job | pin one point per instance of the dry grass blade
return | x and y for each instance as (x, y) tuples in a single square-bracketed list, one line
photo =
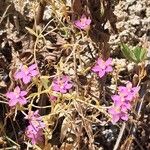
[(4, 14)]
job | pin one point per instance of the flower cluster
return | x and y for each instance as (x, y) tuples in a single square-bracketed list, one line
[(26, 73), (102, 67), (122, 102), (62, 84), (83, 22), (16, 97), (34, 130)]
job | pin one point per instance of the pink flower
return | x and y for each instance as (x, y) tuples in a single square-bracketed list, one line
[(128, 91), (117, 114), (120, 109), (102, 67), (122, 102), (26, 73), (34, 130), (83, 22), (16, 97), (34, 117), (34, 133), (62, 84)]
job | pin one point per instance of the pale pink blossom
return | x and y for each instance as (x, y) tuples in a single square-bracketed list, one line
[(128, 91), (62, 84), (117, 114), (102, 67), (34, 130), (16, 97), (34, 133), (83, 23), (26, 73), (122, 102)]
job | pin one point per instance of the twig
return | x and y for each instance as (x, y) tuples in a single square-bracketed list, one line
[(39, 16), (3, 16), (12, 141), (120, 136)]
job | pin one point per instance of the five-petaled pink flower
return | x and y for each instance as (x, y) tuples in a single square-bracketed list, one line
[(26, 73), (128, 91), (62, 84), (16, 97), (122, 102), (102, 67), (83, 22), (34, 131), (117, 114)]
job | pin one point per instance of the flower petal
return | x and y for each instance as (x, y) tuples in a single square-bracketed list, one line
[(100, 61), (68, 86), (10, 95), (62, 90), (109, 69), (17, 90), (108, 62), (115, 118), (88, 21), (12, 102), (19, 75), (56, 87), (32, 67), (22, 101), (96, 69), (112, 111), (26, 79), (34, 73), (23, 93), (124, 116), (101, 73)]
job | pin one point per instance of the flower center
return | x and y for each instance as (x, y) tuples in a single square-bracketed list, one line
[(61, 83), (16, 92)]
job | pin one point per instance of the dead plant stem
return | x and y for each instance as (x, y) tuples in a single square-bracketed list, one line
[(120, 136)]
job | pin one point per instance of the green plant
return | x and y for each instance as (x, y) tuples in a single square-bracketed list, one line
[(135, 54)]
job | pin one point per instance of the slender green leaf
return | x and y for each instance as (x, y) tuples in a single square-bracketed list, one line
[(137, 53), (143, 55), (128, 53), (140, 54)]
